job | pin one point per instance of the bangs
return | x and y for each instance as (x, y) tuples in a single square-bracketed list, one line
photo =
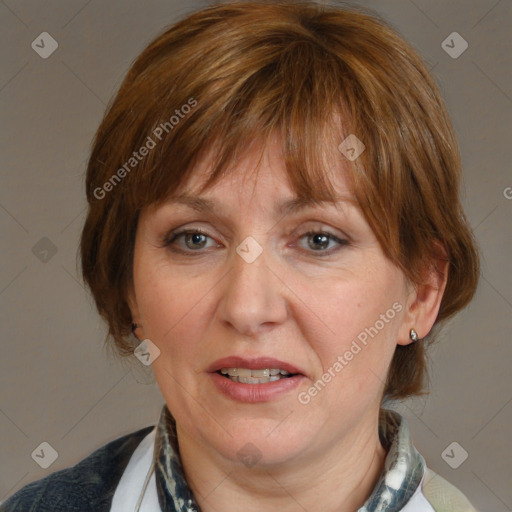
[(236, 112)]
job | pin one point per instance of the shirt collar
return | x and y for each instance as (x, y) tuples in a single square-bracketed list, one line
[(403, 468)]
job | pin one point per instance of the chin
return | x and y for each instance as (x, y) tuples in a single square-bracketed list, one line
[(262, 441)]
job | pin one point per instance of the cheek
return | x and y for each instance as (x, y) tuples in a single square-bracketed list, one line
[(345, 308), (352, 326), (170, 306), (173, 310)]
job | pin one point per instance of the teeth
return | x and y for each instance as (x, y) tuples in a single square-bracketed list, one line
[(247, 372), (260, 373), (248, 376), (253, 380)]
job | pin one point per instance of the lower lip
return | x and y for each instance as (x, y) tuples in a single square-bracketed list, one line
[(253, 393)]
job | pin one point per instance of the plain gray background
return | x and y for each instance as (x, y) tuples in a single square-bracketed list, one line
[(61, 386)]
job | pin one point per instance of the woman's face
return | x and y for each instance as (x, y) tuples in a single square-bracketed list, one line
[(253, 286)]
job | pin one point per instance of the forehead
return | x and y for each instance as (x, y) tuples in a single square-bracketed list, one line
[(281, 208), (262, 171)]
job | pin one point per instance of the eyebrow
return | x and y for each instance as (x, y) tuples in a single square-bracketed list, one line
[(287, 207)]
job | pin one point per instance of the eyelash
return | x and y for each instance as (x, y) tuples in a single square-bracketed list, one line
[(172, 237)]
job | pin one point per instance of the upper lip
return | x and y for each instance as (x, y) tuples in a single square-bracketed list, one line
[(256, 363)]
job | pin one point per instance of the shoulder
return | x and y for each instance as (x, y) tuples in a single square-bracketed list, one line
[(89, 485), (443, 496)]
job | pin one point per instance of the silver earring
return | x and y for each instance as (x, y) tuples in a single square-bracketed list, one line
[(413, 335)]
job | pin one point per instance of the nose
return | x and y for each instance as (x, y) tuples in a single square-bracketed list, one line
[(254, 298)]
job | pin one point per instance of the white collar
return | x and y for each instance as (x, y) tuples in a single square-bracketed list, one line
[(138, 482), (133, 481)]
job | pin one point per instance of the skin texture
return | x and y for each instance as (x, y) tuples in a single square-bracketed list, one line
[(290, 303)]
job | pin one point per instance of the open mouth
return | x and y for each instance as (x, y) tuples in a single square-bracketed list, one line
[(249, 376)]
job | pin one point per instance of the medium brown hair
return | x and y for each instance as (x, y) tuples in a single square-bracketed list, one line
[(237, 72)]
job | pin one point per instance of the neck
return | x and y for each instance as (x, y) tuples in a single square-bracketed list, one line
[(337, 478)]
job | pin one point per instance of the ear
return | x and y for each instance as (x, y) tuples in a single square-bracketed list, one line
[(425, 298), (134, 308)]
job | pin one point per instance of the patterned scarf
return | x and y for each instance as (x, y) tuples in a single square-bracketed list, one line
[(403, 468)]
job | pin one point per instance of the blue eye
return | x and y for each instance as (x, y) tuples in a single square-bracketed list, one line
[(196, 239), (320, 240)]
